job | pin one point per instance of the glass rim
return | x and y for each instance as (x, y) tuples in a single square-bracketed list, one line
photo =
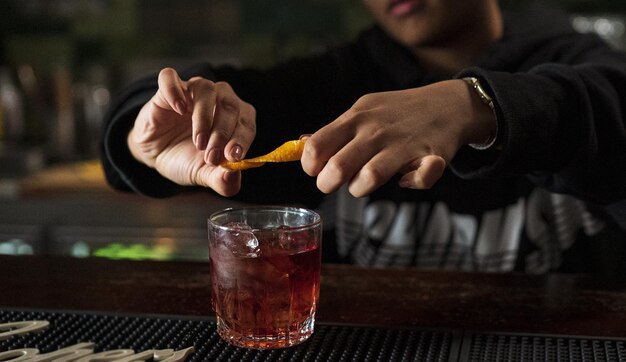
[(317, 218)]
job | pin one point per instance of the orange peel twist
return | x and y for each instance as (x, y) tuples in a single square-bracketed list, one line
[(288, 151)]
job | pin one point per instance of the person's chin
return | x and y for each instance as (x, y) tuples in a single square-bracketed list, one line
[(408, 32)]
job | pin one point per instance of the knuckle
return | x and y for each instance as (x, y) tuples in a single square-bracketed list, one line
[(229, 103), (224, 85), (167, 72), (371, 176), (220, 134), (364, 98), (364, 101), (248, 108), (376, 130), (355, 116), (203, 84), (312, 148), (249, 112), (337, 168), (248, 124)]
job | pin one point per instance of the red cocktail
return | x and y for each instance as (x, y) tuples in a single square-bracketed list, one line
[(265, 273)]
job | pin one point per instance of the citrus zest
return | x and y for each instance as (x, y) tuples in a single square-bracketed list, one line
[(288, 151)]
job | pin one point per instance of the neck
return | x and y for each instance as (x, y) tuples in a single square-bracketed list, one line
[(463, 48)]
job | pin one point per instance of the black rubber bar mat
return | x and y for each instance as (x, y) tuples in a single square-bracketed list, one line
[(111, 332), (479, 347)]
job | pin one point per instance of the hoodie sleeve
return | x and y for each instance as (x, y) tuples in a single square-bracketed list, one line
[(561, 122)]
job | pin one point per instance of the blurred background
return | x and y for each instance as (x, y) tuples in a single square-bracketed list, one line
[(62, 61)]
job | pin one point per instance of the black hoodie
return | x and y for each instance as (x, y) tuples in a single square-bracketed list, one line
[(539, 203)]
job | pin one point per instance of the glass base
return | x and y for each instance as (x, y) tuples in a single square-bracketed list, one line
[(300, 333)]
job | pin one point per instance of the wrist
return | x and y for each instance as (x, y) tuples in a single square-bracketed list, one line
[(483, 113)]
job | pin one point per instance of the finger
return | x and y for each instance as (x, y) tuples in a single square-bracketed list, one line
[(225, 121), (204, 95), (374, 173), (243, 135), (323, 144), (430, 170), (343, 166), (224, 182), (171, 93)]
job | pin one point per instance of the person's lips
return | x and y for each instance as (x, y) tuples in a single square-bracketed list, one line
[(403, 7)]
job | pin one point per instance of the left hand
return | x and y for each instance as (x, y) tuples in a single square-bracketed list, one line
[(415, 132)]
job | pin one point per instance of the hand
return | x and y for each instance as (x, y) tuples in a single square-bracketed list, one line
[(415, 132), (187, 129)]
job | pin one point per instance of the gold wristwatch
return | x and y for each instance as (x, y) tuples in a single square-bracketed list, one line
[(486, 99)]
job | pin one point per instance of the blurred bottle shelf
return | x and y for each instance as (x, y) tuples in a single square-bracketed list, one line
[(136, 243), (22, 181), (17, 160), (68, 209)]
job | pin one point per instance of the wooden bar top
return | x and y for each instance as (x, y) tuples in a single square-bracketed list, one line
[(552, 304)]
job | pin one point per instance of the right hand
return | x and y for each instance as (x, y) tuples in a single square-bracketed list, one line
[(189, 127)]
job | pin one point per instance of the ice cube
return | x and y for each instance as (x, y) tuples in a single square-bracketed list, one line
[(241, 240), (284, 239), (293, 240), (236, 225)]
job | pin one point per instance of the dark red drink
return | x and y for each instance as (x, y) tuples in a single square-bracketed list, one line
[(265, 283)]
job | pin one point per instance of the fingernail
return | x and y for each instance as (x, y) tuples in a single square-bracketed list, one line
[(236, 152), (201, 141), (215, 156), (181, 107), (305, 136), (404, 183)]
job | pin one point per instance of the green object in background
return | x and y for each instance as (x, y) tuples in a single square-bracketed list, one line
[(134, 252)]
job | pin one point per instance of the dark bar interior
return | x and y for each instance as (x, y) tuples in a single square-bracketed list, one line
[(64, 60), (71, 246)]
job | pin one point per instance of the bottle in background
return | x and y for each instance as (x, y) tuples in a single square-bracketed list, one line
[(12, 127)]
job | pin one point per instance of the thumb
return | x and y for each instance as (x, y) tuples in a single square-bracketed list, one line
[(428, 172)]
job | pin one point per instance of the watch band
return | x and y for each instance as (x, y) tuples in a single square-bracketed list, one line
[(487, 100)]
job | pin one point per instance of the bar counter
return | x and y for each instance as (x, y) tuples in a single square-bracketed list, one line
[(552, 304)]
